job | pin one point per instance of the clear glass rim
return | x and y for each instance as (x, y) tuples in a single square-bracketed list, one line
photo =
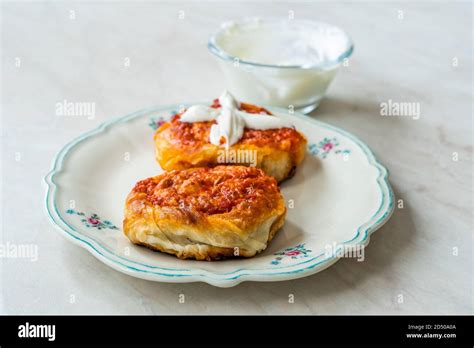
[(218, 52)]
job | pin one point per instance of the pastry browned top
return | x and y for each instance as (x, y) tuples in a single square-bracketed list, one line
[(196, 134), (209, 191)]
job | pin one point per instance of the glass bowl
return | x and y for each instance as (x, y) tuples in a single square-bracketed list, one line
[(294, 85)]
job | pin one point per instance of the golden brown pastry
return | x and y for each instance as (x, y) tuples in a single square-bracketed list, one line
[(205, 213), (182, 145)]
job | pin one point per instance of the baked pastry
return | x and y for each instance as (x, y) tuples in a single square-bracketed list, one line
[(205, 213), (182, 145)]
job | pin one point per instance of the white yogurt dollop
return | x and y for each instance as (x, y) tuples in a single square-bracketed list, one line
[(231, 121), (199, 113)]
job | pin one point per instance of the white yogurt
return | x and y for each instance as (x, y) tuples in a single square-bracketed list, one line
[(280, 62), (230, 121)]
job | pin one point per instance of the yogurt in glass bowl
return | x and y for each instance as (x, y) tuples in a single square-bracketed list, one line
[(280, 62)]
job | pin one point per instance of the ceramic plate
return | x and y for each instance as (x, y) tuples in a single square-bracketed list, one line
[(338, 197)]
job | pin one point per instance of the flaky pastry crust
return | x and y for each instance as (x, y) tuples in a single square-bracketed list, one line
[(205, 213), (183, 145)]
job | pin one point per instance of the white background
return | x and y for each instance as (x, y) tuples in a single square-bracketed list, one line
[(407, 59)]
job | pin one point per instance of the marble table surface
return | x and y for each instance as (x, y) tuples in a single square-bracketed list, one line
[(125, 56)]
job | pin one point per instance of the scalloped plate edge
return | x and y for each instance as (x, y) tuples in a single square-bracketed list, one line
[(362, 236)]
